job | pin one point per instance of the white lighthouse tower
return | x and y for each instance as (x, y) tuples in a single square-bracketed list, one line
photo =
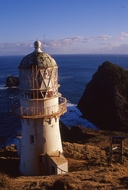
[(40, 107)]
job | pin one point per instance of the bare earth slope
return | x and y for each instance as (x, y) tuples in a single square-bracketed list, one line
[(88, 167)]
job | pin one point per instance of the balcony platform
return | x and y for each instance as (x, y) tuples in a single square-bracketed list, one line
[(38, 112)]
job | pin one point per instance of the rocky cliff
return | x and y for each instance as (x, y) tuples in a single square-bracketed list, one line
[(12, 81), (105, 99)]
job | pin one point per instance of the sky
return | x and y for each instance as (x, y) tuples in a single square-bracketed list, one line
[(64, 26)]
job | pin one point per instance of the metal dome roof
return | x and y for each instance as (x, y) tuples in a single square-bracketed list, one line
[(37, 58)]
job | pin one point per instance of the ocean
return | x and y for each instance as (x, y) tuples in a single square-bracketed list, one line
[(75, 71)]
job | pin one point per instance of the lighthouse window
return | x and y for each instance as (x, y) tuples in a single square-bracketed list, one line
[(32, 139)]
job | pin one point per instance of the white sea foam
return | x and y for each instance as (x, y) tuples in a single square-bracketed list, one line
[(73, 117), (2, 87)]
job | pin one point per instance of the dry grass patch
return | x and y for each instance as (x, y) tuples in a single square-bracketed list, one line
[(88, 168), (5, 182)]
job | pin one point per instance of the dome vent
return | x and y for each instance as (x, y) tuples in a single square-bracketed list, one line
[(37, 59)]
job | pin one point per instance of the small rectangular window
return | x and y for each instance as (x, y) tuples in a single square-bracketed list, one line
[(32, 139)]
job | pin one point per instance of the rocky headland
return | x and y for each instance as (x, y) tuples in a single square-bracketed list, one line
[(105, 99)]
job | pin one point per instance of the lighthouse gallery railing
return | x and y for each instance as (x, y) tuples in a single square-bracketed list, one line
[(39, 112)]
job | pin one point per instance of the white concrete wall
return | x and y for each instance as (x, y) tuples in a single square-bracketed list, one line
[(29, 153), (51, 164), (63, 168), (39, 107), (52, 135), (45, 131), (58, 168), (46, 140)]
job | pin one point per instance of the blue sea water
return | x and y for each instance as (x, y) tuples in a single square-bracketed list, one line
[(75, 71)]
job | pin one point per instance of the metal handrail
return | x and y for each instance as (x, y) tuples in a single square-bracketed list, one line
[(39, 112), (62, 171)]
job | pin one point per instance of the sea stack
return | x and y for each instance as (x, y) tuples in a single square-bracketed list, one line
[(40, 106)]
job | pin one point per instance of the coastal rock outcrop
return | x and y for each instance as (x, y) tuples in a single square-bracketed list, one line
[(105, 99), (12, 81), (74, 134)]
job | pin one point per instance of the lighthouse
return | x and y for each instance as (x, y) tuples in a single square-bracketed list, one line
[(40, 106)]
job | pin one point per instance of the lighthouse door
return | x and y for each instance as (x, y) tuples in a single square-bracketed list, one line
[(42, 164)]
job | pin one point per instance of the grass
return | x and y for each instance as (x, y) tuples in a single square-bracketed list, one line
[(5, 182), (88, 169)]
